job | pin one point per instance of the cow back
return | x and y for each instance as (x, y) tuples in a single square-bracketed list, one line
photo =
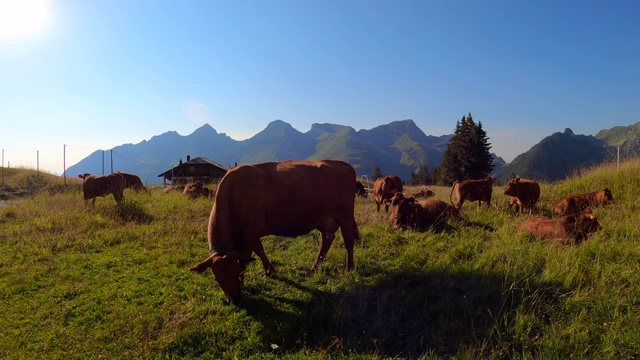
[(288, 198)]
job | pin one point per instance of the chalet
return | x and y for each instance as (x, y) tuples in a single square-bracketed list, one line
[(194, 169)]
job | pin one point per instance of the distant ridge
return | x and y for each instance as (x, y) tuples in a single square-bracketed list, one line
[(397, 148), (556, 157)]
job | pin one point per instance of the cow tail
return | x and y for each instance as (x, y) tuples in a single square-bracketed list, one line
[(356, 233), (455, 183)]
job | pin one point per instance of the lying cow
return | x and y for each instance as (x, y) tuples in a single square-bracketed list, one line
[(93, 186), (565, 229), (526, 192), (410, 213), (132, 181), (472, 190), (173, 188), (573, 203), (196, 189), (301, 196), (422, 194), (383, 190)]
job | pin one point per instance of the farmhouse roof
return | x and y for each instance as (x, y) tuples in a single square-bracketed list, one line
[(195, 161)]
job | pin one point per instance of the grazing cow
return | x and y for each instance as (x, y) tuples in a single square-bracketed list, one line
[(196, 189), (289, 198), (383, 190), (407, 212), (526, 191), (132, 181), (360, 190), (573, 203), (472, 190), (565, 229), (93, 186)]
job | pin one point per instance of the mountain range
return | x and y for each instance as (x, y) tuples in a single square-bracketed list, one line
[(399, 147)]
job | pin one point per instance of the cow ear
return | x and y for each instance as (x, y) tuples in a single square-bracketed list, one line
[(410, 200), (204, 265)]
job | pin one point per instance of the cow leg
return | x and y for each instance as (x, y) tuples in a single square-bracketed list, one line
[(328, 229), (350, 234), (266, 264)]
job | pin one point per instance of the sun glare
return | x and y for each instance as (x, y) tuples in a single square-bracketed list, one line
[(19, 18)]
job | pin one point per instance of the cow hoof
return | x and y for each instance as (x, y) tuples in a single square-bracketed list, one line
[(269, 272)]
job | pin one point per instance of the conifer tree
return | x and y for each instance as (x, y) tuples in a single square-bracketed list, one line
[(467, 155), (377, 173)]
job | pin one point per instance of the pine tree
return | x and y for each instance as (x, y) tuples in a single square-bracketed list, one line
[(467, 155), (377, 173)]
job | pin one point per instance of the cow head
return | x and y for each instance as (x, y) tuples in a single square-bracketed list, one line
[(84, 176), (607, 197), (587, 222), (401, 210), (511, 188), (228, 271)]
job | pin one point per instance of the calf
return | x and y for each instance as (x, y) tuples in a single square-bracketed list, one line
[(472, 190), (573, 203), (383, 190), (526, 191), (407, 212), (565, 229)]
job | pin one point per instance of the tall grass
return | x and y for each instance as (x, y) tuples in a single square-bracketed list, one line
[(113, 282)]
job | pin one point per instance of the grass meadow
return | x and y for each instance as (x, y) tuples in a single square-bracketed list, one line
[(113, 283)]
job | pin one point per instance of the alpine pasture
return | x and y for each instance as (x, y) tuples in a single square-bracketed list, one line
[(113, 282)]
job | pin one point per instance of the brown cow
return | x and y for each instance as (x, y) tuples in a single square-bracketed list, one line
[(132, 181), (425, 193), (565, 229), (383, 190), (173, 188), (407, 212), (196, 189), (526, 191), (472, 190), (573, 203), (289, 198), (93, 186)]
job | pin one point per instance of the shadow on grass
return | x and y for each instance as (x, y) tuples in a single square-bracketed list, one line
[(132, 211), (405, 314)]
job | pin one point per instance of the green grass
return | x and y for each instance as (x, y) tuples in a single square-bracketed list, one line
[(113, 282)]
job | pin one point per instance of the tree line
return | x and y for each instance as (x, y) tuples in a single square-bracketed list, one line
[(467, 157)]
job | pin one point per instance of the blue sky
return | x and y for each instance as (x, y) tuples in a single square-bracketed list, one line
[(98, 74)]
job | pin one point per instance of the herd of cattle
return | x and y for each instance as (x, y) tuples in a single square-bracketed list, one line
[(249, 204), (576, 221)]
